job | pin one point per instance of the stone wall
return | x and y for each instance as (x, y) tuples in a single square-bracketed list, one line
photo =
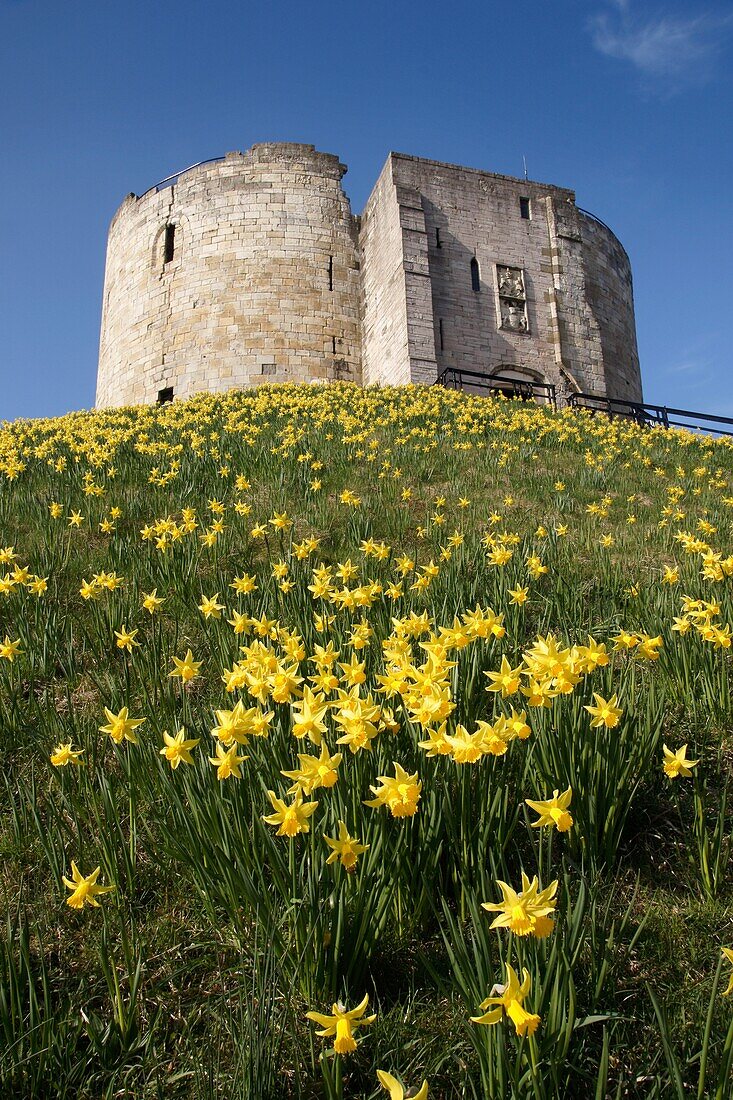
[(263, 285), (610, 296), (384, 310)]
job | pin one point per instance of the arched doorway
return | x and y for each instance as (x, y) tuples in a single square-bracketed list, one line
[(521, 383)]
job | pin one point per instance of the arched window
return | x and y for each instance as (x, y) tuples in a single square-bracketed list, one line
[(475, 275)]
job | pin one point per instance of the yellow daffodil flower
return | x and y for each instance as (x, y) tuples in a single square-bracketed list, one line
[(553, 811), (187, 669), (292, 819), (314, 771), (346, 848), (509, 999), (64, 754), (401, 793), (126, 638), (84, 890), (676, 763), (10, 650), (397, 1091), (209, 607), (120, 727), (525, 913), (152, 601), (342, 1024), (177, 748), (506, 680), (605, 712), (227, 762)]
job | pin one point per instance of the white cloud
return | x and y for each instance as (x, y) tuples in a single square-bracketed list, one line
[(662, 45), (687, 366)]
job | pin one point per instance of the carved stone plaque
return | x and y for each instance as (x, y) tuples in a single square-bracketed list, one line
[(511, 282), (512, 298)]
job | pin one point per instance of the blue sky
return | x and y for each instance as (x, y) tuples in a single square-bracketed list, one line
[(629, 102)]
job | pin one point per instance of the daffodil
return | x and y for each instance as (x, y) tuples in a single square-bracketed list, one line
[(506, 680), (465, 747), (401, 793), (509, 999), (152, 601), (187, 669), (308, 716), (126, 639), (676, 763), (525, 913), (292, 819), (397, 1091), (177, 748), (233, 725), (120, 727), (314, 771), (209, 607), (84, 890), (345, 848), (342, 1024), (553, 811), (64, 754), (227, 762), (10, 650), (606, 712)]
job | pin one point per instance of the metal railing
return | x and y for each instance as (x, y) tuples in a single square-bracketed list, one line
[(517, 389), (653, 415), (590, 214), (170, 180), (492, 385)]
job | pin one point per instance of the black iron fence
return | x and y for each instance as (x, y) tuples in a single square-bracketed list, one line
[(651, 415), (492, 385), (517, 389)]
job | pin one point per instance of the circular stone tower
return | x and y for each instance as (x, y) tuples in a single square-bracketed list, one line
[(233, 273)]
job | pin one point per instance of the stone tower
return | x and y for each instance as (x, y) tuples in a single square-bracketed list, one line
[(237, 272), (251, 268)]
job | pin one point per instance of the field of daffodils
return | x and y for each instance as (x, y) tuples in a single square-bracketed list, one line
[(364, 743)]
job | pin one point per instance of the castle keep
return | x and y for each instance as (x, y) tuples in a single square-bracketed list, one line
[(252, 268)]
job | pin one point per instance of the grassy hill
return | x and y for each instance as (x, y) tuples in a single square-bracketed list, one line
[(281, 675)]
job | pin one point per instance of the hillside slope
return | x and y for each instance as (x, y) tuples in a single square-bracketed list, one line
[(393, 619)]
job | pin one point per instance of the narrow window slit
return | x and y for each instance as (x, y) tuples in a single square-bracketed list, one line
[(169, 246), (333, 344), (475, 275), (524, 208), (330, 272), (438, 242), (440, 333)]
